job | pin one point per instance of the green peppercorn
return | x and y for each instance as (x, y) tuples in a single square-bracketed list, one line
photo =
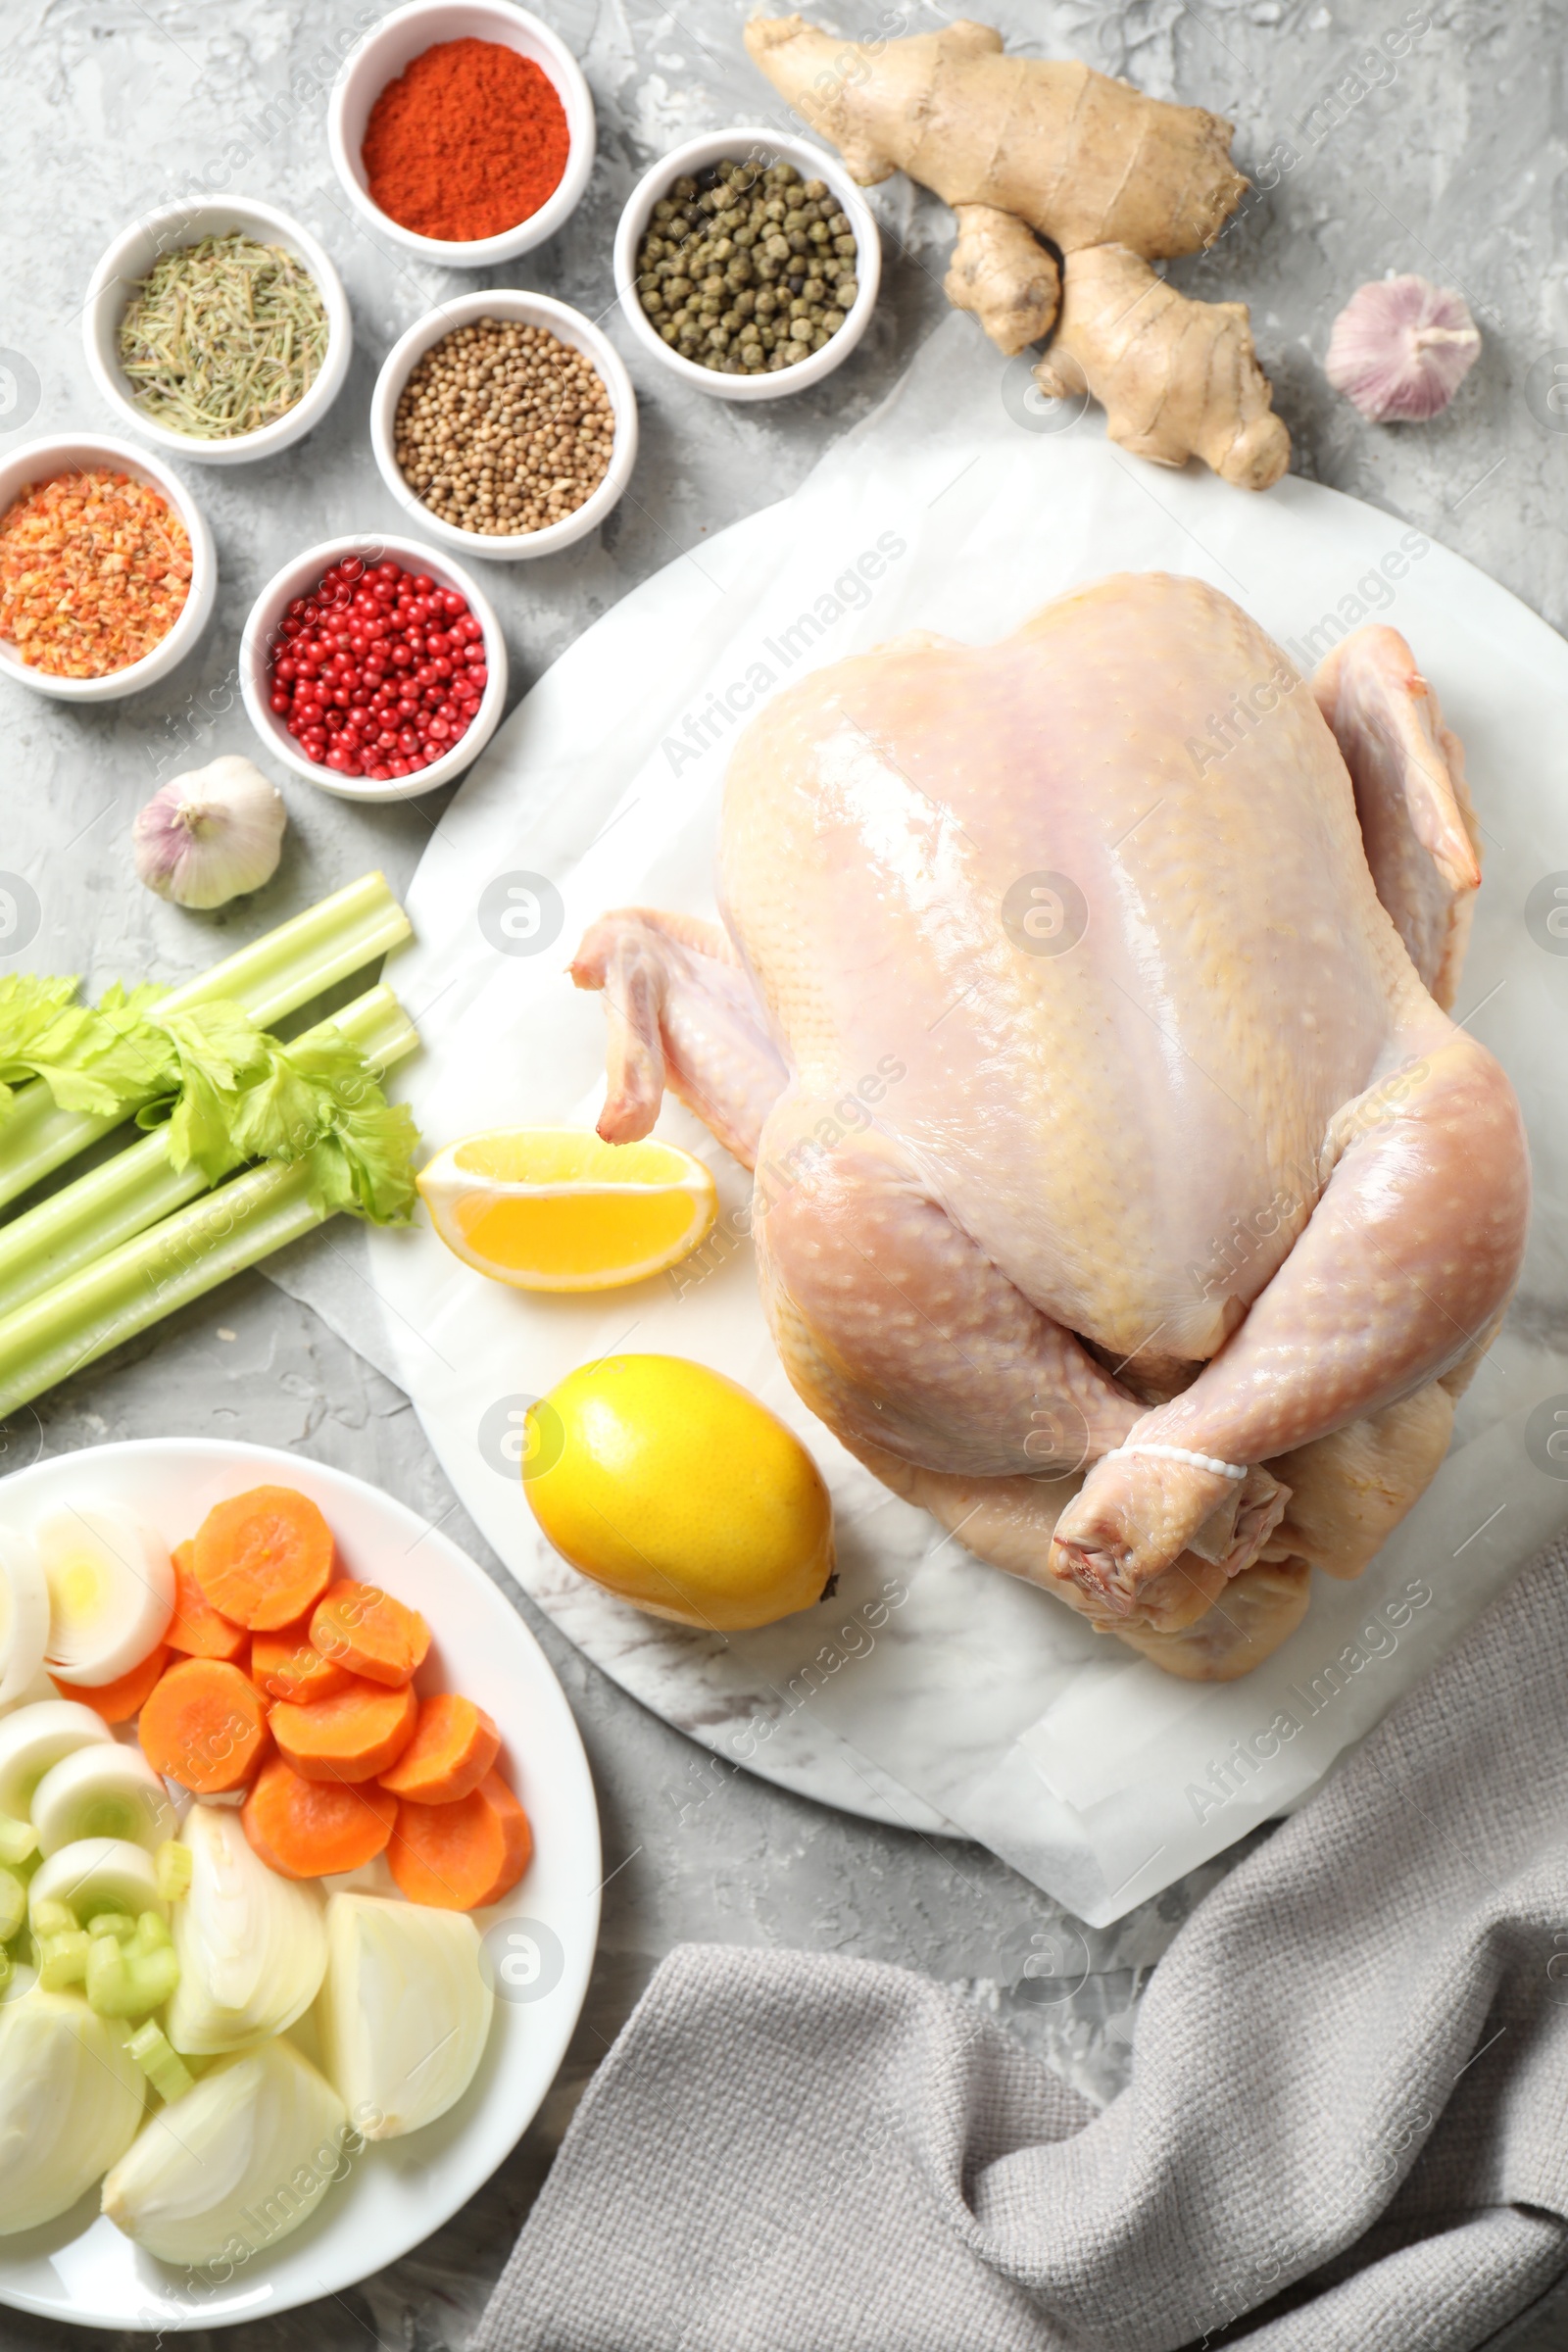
[(747, 268)]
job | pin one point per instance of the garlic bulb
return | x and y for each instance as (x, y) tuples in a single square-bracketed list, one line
[(210, 836), (1400, 349)]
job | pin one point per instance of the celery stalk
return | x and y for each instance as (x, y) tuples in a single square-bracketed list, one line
[(274, 976), (137, 1186), (180, 1258)]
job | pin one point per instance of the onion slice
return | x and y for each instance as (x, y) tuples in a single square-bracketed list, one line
[(111, 1592), (24, 1616), (34, 1739), (103, 1791), (98, 1874)]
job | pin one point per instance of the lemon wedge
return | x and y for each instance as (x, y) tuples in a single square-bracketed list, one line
[(556, 1208)]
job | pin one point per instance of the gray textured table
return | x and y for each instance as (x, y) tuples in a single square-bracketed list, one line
[(1451, 161)]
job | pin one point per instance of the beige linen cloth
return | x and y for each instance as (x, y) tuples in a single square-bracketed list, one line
[(1346, 2130)]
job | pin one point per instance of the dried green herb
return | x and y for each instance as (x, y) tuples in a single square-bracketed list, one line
[(223, 337)]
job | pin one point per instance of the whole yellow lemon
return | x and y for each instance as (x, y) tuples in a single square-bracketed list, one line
[(674, 1488)]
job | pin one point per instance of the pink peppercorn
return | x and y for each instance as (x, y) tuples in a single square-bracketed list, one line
[(378, 671)]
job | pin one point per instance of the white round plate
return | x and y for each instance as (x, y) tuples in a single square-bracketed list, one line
[(80, 2268), (961, 506)]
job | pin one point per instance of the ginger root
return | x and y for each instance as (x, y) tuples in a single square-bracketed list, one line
[(1084, 160), (1175, 377), (1030, 148), (1001, 272)]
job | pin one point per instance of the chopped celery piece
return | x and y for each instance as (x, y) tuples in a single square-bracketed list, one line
[(5, 1968), (62, 1958), (18, 1840), (12, 1903), (127, 1980), (174, 1866), (163, 2067), (117, 1923), (53, 1918)]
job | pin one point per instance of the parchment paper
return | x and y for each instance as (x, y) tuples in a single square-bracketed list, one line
[(963, 503)]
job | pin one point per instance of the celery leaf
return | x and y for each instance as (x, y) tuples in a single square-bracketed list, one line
[(215, 1047), (281, 1114), (87, 1063), (365, 1164)]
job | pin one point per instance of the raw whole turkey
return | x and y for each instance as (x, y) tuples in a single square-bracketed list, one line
[(1125, 1195)]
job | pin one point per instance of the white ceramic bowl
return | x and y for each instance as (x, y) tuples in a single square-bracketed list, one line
[(131, 256), (713, 147), (531, 309), (394, 44), (78, 453), (298, 579)]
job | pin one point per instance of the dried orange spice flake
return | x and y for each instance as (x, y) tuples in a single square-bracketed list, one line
[(94, 572)]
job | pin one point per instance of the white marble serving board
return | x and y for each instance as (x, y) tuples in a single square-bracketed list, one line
[(932, 1688)]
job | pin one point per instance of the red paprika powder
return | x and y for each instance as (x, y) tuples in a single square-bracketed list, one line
[(469, 140)]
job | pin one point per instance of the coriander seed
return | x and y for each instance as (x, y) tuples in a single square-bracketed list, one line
[(503, 428)]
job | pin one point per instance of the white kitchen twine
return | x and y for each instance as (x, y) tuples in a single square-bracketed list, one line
[(1180, 1453)]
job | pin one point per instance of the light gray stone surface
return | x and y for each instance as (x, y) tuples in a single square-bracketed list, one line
[(1448, 156)]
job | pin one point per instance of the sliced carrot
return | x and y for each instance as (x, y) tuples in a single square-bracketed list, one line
[(454, 1746), (460, 1857), (284, 1665), (363, 1627), (197, 1628), (117, 1702), (204, 1726), (264, 1558), (353, 1736), (309, 1829)]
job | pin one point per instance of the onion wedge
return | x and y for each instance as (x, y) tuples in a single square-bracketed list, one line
[(247, 2155), (70, 2100), (404, 2013)]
